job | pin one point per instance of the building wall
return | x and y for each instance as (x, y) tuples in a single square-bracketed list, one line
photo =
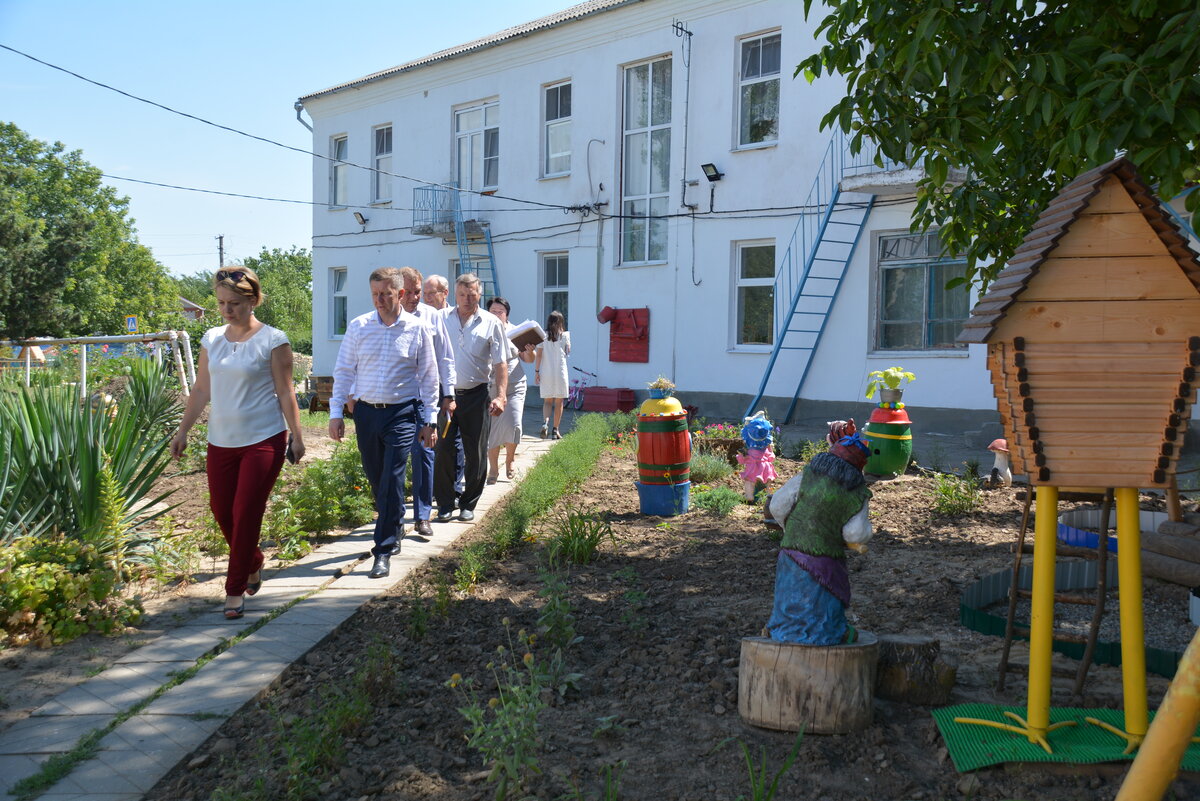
[(691, 294)]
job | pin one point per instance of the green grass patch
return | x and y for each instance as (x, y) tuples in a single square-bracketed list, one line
[(564, 467), (718, 500), (708, 467)]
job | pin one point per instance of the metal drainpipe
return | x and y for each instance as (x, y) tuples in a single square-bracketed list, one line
[(299, 109)]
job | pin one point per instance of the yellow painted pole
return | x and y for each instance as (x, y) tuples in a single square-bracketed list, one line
[(1041, 624), (1133, 633), (1158, 760)]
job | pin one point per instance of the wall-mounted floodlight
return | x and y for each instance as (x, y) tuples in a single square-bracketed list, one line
[(361, 220), (711, 172)]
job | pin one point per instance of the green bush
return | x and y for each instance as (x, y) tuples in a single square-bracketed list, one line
[(708, 466), (53, 590), (953, 495), (333, 492), (718, 500), (577, 537)]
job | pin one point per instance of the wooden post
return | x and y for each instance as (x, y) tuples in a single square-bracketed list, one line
[(824, 689)]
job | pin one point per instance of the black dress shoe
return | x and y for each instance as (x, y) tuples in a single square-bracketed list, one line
[(395, 549), (445, 516), (466, 515), (382, 566), (423, 528)]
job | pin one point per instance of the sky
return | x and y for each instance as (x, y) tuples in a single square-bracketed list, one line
[(240, 64)]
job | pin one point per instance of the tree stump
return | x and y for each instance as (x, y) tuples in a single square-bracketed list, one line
[(912, 670), (826, 689)]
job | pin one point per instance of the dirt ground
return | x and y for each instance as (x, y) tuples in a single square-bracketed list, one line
[(661, 614)]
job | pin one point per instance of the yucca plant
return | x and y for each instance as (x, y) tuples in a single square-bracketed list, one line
[(152, 395), (88, 473)]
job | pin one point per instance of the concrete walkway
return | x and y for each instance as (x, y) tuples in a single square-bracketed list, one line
[(316, 593)]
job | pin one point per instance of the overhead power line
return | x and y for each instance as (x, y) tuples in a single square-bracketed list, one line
[(266, 140)]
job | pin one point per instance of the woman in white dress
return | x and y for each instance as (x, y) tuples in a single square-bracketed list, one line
[(506, 429), (550, 372)]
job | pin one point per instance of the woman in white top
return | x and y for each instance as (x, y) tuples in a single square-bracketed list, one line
[(245, 369), (551, 371), (505, 430)]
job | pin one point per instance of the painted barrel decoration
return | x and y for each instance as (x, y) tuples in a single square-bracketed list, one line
[(889, 434), (664, 449)]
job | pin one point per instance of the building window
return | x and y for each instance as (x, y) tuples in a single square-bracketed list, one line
[(339, 170), (916, 311), (381, 182), (758, 118), (337, 295), (647, 161), (554, 284), (477, 146), (754, 280), (558, 130)]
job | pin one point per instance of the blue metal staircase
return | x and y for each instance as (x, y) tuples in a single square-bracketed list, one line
[(810, 273), (438, 211)]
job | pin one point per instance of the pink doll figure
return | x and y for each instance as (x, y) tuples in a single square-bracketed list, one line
[(758, 462)]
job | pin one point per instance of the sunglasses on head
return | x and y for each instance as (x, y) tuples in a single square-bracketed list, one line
[(233, 275)]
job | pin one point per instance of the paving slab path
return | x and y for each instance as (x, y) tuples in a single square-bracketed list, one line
[(304, 603)]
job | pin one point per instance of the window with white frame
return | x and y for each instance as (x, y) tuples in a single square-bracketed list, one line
[(915, 310), (554, 284), (381, 182), (338, 310), (754, 293), (557, 159), (646, 155), (339, 171), (758, 115), (477, 146)]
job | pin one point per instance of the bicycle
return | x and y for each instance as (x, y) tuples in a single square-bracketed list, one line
[(578, 386)]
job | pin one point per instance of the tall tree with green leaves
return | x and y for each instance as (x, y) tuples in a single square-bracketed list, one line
[(1025, 94), (286, 277), (70, 262)]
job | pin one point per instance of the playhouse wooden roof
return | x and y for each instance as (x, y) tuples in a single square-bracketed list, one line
[(1054, 223)]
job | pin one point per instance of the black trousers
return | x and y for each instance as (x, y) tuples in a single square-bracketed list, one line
[(472, 422)]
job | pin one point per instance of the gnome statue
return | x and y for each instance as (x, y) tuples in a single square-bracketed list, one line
[(822, 511), (759, 460)]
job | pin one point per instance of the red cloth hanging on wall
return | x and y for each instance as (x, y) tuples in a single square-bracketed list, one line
[(629, 336)]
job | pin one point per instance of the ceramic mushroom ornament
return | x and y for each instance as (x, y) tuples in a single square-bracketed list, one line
[(1001, 475)]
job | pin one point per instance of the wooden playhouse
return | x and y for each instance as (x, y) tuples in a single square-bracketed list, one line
[(1093, 335)]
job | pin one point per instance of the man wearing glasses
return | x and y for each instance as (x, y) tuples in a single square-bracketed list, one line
[(387, 360)]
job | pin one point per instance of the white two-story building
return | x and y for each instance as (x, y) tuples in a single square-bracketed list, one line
[(657, 157)]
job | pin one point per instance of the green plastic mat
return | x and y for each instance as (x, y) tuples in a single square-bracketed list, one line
[(973, 746)]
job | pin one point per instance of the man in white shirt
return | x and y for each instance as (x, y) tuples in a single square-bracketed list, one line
[(422, 457), (478, 340), (435, 292), (387, 359)]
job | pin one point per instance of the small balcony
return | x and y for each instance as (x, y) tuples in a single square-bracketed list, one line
[(439, 210), (861, 174)]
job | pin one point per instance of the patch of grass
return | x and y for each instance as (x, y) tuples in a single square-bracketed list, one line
[(759, 789), (577, 537), (718, 500), (564, 467), (810, 448), (953, 495), (708, 466)]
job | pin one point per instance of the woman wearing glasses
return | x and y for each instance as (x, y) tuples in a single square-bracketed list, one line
[(245, 369)]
